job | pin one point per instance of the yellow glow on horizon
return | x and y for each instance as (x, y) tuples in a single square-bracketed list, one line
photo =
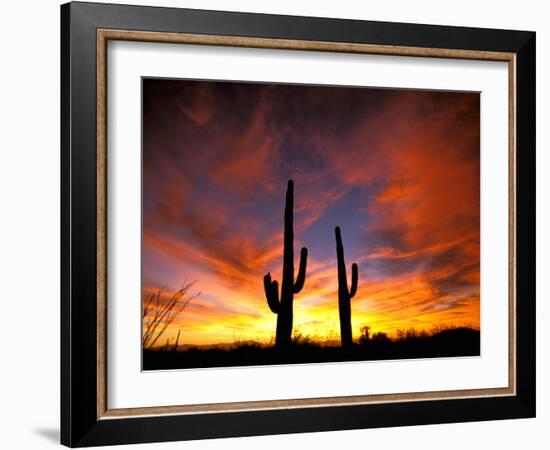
[(383, 306)]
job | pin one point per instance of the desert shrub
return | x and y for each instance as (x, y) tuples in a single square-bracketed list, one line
[(159, 313), (365, 334), (299, 338), (380, 338)]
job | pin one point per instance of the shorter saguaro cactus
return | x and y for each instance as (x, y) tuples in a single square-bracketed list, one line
[(344, 294)]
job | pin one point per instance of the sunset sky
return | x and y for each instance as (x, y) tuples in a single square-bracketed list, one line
[(397, 170)]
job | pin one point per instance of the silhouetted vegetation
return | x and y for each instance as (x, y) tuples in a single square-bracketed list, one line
[(408, 344), (159, 314), (345, 294), (289, 287)]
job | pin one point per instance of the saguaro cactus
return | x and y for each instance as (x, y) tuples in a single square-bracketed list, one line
[(283, 307), (344, 294)]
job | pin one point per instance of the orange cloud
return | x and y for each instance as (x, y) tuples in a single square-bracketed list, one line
[(398, 170)]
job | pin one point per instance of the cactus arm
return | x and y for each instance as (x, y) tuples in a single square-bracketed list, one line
[(354, 278), (299, 284), (271, 289), (275, 297)]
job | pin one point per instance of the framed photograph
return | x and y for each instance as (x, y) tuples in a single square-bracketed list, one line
[(276, 224)]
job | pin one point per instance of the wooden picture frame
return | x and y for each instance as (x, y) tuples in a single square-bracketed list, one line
[(86, 418)]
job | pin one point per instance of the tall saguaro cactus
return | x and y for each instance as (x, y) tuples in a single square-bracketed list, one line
[(283, 307), (344, 294)]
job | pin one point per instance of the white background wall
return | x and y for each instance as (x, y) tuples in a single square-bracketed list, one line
[(29, 224)]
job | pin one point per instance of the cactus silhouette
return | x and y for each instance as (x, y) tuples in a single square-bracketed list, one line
[(283, 307), (345, 295)]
